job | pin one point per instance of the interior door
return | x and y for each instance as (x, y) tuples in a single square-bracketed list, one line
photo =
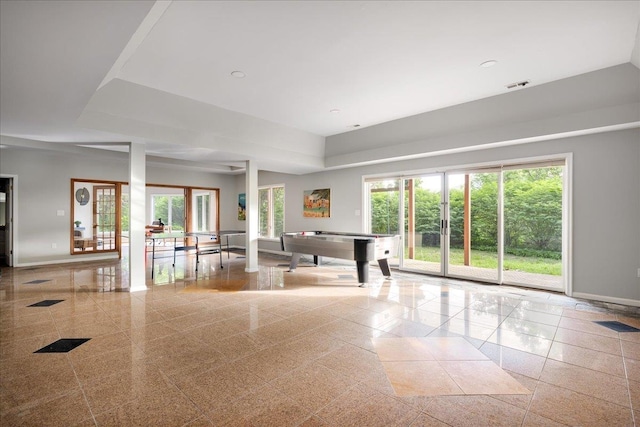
[(472, 225), (105, 224), (423, 224)]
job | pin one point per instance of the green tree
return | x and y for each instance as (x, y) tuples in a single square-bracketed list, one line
[(278, 211), (456, 217), (161, 208), (385, 211), (532, 206), (124, 213), (543, 211), (484, 210)]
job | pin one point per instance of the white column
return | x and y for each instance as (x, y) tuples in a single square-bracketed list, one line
[(137, 190), (251, 190)]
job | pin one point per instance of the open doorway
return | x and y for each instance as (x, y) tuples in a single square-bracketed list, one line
[(6, 222)]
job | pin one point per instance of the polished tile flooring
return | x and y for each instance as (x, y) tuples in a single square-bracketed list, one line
[(309, 348)]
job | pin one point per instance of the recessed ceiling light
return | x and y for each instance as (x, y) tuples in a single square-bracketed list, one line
[(238, 74), (489, 63), (335, 110)]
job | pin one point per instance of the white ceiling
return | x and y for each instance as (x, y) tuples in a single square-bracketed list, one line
[(374, 61)]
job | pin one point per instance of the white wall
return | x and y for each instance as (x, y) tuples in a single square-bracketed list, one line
[(44, 189), (226, 184), (606, 171), (607, 97), (606, 202), (83, 213)]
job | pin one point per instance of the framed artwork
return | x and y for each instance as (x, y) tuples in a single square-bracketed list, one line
[(317, 203), (242, 206)]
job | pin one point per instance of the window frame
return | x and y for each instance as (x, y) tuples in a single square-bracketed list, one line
[(270, 211)]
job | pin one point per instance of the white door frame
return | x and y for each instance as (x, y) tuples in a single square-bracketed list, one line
[(567, 207), (12, 221)]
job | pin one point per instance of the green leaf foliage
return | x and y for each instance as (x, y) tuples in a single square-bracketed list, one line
[(532, 211)]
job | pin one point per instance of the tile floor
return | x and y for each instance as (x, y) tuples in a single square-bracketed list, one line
[(310, 348)]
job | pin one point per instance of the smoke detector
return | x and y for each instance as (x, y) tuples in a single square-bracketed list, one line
[(518, 84)]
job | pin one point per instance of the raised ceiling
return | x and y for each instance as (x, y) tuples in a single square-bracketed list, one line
[(160, 73)]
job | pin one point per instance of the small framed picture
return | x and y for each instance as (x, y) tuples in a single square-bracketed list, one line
[(317, 203), (242, 206)]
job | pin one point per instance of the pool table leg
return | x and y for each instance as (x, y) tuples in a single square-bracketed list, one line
[(363, 272), (384, 267), (295, 257)]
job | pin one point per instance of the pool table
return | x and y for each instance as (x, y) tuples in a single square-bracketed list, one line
[(362, 248)]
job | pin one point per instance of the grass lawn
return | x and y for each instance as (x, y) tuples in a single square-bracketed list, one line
[(482, 259)]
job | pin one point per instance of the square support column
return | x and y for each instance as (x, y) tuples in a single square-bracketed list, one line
[(137, 191), (251, 190)]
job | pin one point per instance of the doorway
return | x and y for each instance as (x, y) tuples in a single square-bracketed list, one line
[(472, 225), (6, 222), (502, 224), (423, 218)]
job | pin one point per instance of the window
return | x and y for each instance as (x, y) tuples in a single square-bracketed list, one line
[(204, 210), (271, 211), (184, 208), (169, 208)]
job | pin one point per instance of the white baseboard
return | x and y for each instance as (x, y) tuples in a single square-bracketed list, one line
[(269, 251), (66, 260), (623, 301)]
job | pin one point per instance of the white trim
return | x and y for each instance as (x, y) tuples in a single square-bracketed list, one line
[(68, 260), (529, 285), (567, 205), (468, 166), (567, 225), (268, 239), (271, 251), (445, 239), (271, 210), (615, 300), (262, 187), (268, 251), (14, 216), (487, 146), (500, 242)]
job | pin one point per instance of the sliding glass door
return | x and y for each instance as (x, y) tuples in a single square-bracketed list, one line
[(496, 225), (423, 224), (383, 208), (472, 225), (533, 218)]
